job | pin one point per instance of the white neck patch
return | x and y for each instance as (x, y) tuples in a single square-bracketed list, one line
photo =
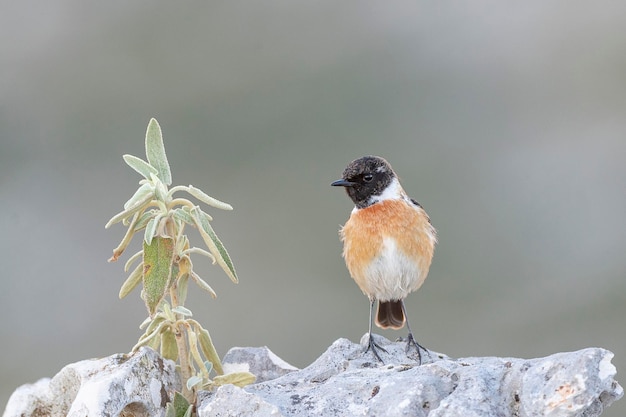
[(394, 191)]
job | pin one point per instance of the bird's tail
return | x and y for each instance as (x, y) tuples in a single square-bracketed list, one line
[(390, 314)]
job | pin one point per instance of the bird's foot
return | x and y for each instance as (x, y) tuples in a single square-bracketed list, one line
[(412, 342), (373, 346)]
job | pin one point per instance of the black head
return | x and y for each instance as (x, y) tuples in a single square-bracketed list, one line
[(365, 178)]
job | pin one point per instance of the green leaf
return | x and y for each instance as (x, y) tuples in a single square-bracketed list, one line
[(183, 215), (152, 323), (141, 204), (214, 244), (208, 350), (132, 281), (207, 199), (240, 379), (144, 219), (131, 260), (155, 342), (152, 228), (193, 381), (208, 365), (183, 285), (160, 190), (200, 251), (182, 310), (169, 348), (139, 165), (152, 336), (147, 321), (140, 195), (130, 232), (155, 151), (179, 406), (202, 284), (157, 271)]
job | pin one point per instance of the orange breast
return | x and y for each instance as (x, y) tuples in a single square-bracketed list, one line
[(367, 232)]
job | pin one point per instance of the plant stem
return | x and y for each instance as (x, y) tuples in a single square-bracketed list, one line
[(186, 371)]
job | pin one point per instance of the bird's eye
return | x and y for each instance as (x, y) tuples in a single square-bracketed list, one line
[(368, 177)]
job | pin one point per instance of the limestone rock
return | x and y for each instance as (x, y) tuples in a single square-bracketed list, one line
[(231, 401), (346, 382), (139, 384), (261, 361)]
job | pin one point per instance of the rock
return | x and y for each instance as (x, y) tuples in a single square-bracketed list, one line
[(229, 400), (139, 384), (346, 382), (261, 361)]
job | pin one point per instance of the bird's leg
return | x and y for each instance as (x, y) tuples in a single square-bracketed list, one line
[(371, 344), (411, 340)]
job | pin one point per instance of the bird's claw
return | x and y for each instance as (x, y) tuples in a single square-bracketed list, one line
[(412, 342)]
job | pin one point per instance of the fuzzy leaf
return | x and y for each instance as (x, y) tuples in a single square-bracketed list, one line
[(208, 365), (155, 342), (202, 284), (178, 407), (183, 285), (182, 310), (132, 281), (148, 321), (183, 215), (160, 190), (169, 349), (193, 381), (155, 151), (152, 336), (157, 271), (140, 194), (130, 232), (207, 199), (240, 379), (141, 204), (131, 260), (152, 228), (144, 219), (214, 244), (194, 352), (154, 326), (139, 165), (208, 350), (200, 251)]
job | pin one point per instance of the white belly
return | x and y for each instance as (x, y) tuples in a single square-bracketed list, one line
[(393, 275)]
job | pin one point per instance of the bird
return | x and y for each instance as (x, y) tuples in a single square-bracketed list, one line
[(388, 243)]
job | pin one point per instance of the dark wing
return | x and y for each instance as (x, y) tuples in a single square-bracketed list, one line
[(420, 206)]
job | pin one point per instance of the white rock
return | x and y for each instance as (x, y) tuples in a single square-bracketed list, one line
[(139, 384), (346, 382), (261, 361), (232, 401)]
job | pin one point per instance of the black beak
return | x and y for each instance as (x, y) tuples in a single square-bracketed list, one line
[(343, 183)]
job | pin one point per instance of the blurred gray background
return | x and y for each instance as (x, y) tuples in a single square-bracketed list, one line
[(506, 122)]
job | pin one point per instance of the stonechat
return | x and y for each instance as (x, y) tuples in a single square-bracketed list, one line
[(388, 243)]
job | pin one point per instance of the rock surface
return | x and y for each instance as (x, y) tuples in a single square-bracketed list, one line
[(139, 385), (261, 361), (346, 382)]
